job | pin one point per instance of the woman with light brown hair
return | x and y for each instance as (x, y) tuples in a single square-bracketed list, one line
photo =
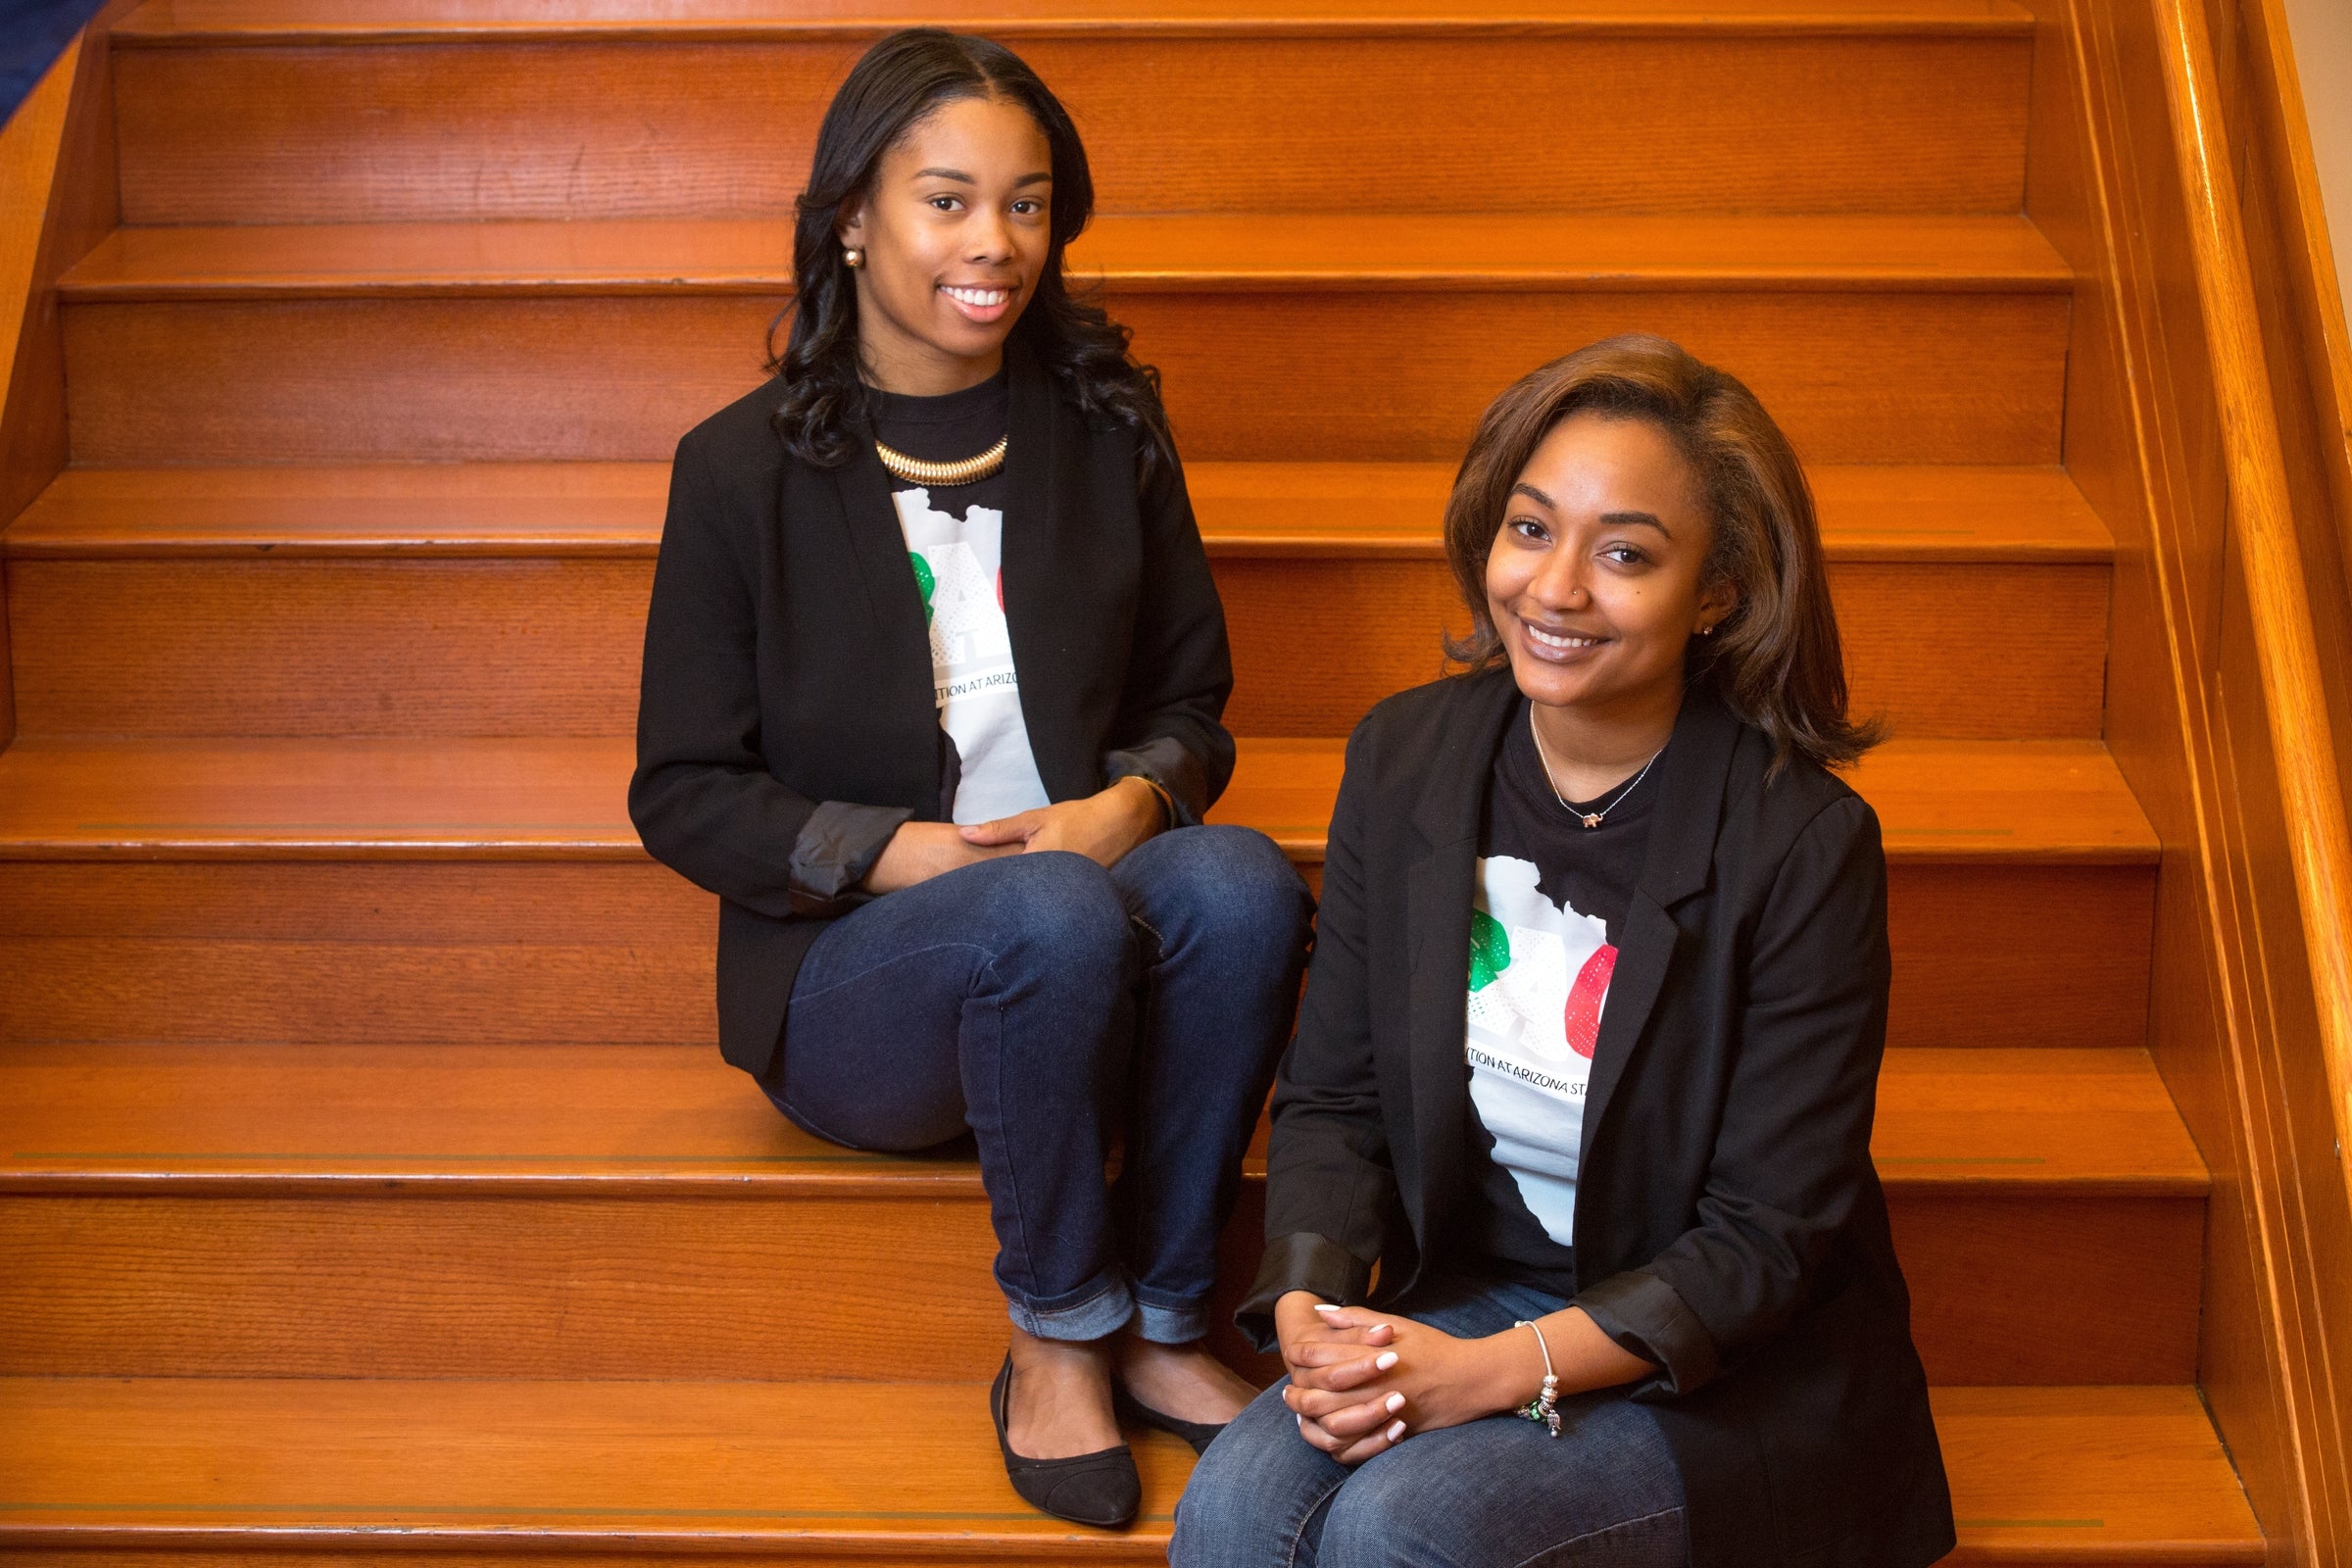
[(1576, 1125)]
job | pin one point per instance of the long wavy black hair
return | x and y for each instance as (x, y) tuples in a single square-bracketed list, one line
[(906, 77)]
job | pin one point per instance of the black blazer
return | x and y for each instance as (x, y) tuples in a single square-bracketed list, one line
[(787, 663), (1728, 1222)]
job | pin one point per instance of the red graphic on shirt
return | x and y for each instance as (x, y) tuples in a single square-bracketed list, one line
[(1582, 1020), (1000, 590)]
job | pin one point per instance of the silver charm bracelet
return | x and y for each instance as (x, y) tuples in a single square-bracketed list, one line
[(1544, 1406)]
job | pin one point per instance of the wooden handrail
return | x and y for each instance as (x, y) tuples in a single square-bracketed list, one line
[(2294, 703)]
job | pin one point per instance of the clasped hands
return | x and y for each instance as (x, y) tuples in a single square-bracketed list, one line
[(1361, 1380), (1102, 827)]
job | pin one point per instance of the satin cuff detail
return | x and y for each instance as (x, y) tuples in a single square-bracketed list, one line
[(836, 849), (1648, 1317), (1302, 1261)]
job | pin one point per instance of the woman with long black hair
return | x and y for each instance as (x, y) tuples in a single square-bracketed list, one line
[(933, 677)]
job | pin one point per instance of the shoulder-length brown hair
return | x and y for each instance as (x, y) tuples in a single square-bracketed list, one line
[(1775, 658)]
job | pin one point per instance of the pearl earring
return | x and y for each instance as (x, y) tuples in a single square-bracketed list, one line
[(852, 256)]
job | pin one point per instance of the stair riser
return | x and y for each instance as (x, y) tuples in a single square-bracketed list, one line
[(1669, 122), (551, 647), (727, 1286), (1379, 375), (1983, 955)]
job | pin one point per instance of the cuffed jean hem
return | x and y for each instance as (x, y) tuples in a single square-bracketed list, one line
[(1105, 1312), (1170, 1325)]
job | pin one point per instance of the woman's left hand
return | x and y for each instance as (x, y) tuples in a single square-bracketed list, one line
[(1443, 1381), (1102, 827)]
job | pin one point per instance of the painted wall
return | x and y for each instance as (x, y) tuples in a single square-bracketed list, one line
[(2322, 35)]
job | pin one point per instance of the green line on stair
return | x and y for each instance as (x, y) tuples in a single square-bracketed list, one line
[(1959, 1159)]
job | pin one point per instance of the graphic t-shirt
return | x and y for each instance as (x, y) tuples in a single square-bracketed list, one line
[(1550, 897), (955, 544)]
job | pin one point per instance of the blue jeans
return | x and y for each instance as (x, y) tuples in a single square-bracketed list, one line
[(1049, 1005), (1499, 1493)]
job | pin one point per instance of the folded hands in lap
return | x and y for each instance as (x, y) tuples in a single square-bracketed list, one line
[(1102, 827), (1362, 1382)]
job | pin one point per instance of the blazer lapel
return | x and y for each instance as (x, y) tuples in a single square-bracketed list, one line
[(906, 733), (1643, 956), (1439, 889), (1043, 574), (1675, 866), (861, 497)]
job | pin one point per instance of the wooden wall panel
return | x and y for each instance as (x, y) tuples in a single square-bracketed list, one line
[(2289, 1129), (1676, 121), (2184, 719)]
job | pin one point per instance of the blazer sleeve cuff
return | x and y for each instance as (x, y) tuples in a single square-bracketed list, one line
[(835, 849), (1648, 1317), (1302, 1261), (1165, 762)]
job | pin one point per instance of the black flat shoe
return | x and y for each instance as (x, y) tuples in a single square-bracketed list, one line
[(1100, 1488), (1199, 1433)]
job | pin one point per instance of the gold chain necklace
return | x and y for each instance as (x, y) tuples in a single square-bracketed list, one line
[(964, 471), (1589, 818)]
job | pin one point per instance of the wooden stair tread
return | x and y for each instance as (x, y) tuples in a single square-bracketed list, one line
[(1184, 251), (2076, 1475), (2132, 1474), (1377, 510), (2044, 801), (307, 1115), (758, 1462), (290, 22)]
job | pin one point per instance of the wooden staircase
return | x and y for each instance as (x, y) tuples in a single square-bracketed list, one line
[(369, 1178)]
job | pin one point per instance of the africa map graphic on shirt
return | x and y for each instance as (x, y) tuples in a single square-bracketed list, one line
[(958, 565), (1538, 978)]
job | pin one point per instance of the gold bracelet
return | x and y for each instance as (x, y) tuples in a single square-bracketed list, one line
[(1544, 1406), (1167, 802)]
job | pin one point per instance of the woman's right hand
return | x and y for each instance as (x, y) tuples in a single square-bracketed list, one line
[(920, 850), (1333, 1360)]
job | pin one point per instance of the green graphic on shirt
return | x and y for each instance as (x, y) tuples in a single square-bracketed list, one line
[(1490, 949), (925, 579)]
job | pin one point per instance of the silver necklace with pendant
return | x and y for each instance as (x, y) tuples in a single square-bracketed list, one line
[(1590, 819)]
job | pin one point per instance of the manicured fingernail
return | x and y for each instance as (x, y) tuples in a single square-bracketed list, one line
[(1386, 1360), (1396, 1432), (1324, 1306), (1396, 1402)]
